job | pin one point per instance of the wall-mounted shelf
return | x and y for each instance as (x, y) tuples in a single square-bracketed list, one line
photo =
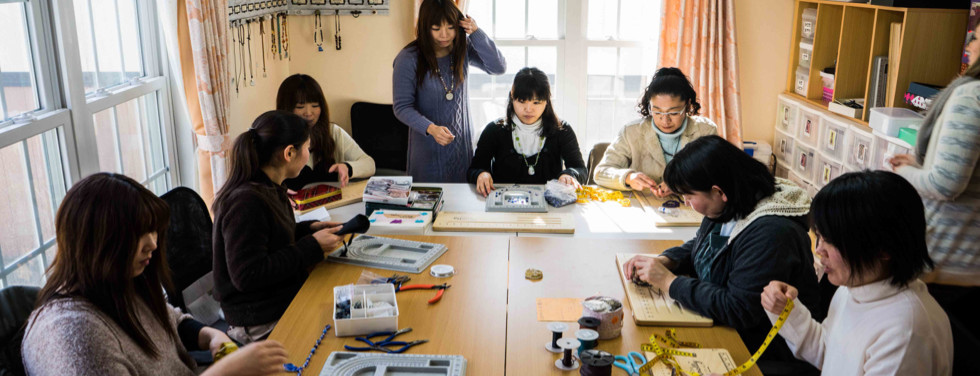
[(248, 9)]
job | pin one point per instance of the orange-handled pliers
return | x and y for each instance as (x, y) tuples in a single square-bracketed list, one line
[(442, 288)]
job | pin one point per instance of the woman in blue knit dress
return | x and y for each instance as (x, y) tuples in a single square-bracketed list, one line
[(429, 90)]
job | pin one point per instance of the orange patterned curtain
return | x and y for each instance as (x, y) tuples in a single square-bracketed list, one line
[(698, 36), (207, 22)]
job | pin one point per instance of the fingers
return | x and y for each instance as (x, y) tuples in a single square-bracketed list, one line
[(333, 168), (332, 230)]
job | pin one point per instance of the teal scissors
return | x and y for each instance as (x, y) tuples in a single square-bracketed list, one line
[(631, 362)]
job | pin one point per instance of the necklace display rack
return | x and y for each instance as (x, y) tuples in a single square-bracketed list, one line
[(250, 9)]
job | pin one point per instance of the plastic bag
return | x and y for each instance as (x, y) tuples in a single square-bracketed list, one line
[(559, 194)]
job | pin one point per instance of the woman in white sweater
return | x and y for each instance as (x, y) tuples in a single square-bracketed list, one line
[(882, 321), (334, 155)]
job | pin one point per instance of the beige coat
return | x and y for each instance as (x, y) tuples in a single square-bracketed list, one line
[(637, 149)]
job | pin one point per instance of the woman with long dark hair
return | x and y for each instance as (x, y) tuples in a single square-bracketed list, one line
[(102, 310), (430, 93), (334, 155), (637, 157), (261, 255), (530, 145)]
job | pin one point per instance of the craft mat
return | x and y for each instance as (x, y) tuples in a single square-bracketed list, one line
[(651, 308), (705, 362)]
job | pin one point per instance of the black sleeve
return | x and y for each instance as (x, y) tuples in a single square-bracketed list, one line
[(483, 156), (571, 155), (350, 170), (189, 331), (303, 229)]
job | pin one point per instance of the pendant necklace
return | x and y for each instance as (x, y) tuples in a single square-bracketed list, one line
[(449, 89), (530, 167)]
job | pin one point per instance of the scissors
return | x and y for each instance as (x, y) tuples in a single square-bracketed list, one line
[(631, 362), (383, 344)]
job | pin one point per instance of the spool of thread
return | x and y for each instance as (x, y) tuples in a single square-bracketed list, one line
[(596, 363), (588, 338), (556, 329), (567, 362), (588, 322)]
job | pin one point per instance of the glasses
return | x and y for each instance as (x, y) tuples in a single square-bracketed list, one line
[(664, 115)]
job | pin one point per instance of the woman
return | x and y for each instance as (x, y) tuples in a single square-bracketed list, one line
[(261, 255), (871, 237), (334, 155), (945, 172), (636, 159), (754, 231), (102, 310), (430, 93), (530, 145)]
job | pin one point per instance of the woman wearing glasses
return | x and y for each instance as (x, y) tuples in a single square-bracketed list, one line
[(637, 158)]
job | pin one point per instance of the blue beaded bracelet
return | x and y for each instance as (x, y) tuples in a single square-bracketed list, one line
[(290, 367)]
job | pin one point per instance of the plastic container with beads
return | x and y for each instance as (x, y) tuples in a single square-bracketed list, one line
[(802, 83), (806, 53), (808, 26), (368, 309)]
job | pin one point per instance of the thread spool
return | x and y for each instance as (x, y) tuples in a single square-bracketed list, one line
[(588, 322), (596, 363), (588, 338), (567, 362), (556, 329)]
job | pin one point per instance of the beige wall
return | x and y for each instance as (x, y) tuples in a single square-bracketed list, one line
[(360, 71), (762, 29)]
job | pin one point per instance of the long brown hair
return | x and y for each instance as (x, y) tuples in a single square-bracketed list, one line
[(301, 88), (434, 13), (270, 133), (99, 226)]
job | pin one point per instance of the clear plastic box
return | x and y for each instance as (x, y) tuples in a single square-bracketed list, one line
[(361, 320), (860, 148), (827, 170), (804, 162), (885, 148), (808, 127), (802, 81), (808, 27), (783, 145), (888, 120), (786, 112), (833, 138), (806, 54), (782, 169), (798, 180)]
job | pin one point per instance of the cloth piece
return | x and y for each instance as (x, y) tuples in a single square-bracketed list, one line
[(418, 106), (637, 149), (875, 329), (496, 153)]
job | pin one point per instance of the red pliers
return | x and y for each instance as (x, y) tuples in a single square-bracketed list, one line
[(442, 288)]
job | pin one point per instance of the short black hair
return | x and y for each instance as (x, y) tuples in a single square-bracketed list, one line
[(870, 214), (673, 82), (530, 84), (712, 160)]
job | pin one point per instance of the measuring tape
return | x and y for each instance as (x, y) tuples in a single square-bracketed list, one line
[(666, 356)]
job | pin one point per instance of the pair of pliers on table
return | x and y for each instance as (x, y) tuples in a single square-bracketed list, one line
[(383, 344), (631, 362), (442, 288)]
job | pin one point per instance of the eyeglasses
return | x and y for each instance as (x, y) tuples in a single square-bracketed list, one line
[(664, 115)]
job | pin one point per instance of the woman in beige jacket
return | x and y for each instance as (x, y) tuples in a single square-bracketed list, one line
[(637, 158)]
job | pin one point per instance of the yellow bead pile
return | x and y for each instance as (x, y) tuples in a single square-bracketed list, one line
[(586, 194)]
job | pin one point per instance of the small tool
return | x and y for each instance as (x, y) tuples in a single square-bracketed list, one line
[(383, 344), (442, 288), (631, 362)]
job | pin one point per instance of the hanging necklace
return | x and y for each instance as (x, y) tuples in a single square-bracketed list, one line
[(318, 28), (336, 30), (285, 37), (273, 23), (234, 58), (530, 167), (452, 86), (251, 68), (262, 39), (241, 51)]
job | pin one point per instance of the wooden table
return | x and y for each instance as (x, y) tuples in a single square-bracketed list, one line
[(578, 268), (470, 320)]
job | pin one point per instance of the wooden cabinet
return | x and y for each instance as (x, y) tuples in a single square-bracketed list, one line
[(850, 36)]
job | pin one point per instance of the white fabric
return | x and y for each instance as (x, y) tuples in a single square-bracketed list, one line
[(727, 228), (167, 12), (346, 150), (530, 134), (875, 329)]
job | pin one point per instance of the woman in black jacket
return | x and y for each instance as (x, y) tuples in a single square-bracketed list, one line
[(530, 145)]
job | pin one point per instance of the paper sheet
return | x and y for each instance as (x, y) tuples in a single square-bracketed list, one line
[(318, 214), (704, 362), (559, 309)]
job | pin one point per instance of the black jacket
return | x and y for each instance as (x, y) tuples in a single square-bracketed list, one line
[(261, 255), (495, 153), (770, 248)]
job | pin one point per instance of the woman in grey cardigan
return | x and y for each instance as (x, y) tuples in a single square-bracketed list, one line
[(637, 158)]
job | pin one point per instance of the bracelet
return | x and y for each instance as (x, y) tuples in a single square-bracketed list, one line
[(226, 348)]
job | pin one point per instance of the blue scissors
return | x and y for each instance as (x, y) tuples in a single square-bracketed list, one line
[(631, 362), (383, 344)]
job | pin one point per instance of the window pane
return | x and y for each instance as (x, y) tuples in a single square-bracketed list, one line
[(18, 92), (160, 185), (131, 139), (544, 19), (480, 85), (49, 254), (482, 12), (107, 42), (30, 273), (602, 19), (150, 108), (105, 138), (42, 185), (86, 49), (639, 20), (510, 19), (108, 35), (132, 133), (129, 31), (20, 230), (545, 59)]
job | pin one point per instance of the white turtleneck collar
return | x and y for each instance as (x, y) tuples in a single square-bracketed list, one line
[(527, 137)]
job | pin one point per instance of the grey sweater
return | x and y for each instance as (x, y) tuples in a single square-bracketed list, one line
[(73, 337)]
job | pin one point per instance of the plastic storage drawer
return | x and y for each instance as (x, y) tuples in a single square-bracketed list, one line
[(808, 27), (786, 112), (827, 170), (833, 138), (808, 127), (885, 148), (782, 169), (806, 54), (783, 147), (888, 120), (802, 81), (860, 148), (804, 162)]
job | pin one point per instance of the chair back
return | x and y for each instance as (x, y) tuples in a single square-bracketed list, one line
[(16, 304), (381, 135)]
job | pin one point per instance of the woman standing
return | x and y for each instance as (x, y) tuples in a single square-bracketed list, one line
[(430, 93)]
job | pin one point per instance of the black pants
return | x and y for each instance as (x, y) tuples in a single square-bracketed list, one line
[(959, 303)]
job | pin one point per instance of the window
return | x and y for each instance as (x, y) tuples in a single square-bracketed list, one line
[(109, 113), (598, 54)]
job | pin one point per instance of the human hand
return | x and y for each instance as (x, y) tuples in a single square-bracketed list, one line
[(258, 358), (652, 270), (342, 174), (484, 183), (216, 339), (902, 160), (468, 24), (568, 179), (661, 190), (775, 296), (320, 225), (327, 238), (639, 181), (441, 134)]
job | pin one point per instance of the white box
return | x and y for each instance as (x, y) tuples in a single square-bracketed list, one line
[(806, 54), (808, 26), (833, 137), (810, 122), (888, 120), (804, 162), (399, 222), (885, 148), (802, 81), (783, 146), (827, 170), (860, 148), (360, 323)]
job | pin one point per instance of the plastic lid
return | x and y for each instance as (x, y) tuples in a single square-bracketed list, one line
[(442, 271), (896, 112)]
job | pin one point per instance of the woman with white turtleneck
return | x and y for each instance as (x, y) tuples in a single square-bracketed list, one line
[(530, 145)]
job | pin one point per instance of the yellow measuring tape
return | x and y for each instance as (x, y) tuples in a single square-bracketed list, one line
[(586, 194), (666, 356)]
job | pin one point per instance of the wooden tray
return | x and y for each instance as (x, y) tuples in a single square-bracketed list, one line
[(686, 217), (552, 223), (652, 308)]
